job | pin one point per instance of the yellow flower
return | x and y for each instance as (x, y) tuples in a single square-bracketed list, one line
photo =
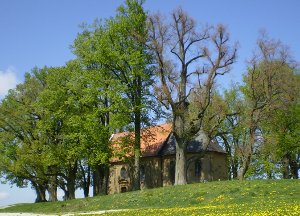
[(201, 198)]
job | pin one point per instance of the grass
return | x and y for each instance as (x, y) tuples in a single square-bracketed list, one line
[(253, 197)]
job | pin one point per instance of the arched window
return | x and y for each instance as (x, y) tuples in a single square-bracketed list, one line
[(123, 173), (172, 171), (197, 168), (123, 189), (142, 174)]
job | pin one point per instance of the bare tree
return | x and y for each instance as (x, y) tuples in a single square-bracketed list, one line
[(188, 60), (265, 81)]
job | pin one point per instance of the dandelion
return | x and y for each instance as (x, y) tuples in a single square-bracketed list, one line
[(201, 198)]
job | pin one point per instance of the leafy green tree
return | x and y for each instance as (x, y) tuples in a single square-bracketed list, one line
[(71, 126), (118, 50), (281, 130), (232, 133), (129, 49), (21, 158), (59, 145), (103, 93)]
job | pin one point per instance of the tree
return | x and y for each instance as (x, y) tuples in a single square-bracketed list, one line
[(102, 94), (232, 134), (263, 90), (187, 60), (20, 146), (71, 126), (281, 128), (57, 129), (119, 48)]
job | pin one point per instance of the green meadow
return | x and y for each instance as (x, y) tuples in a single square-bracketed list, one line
[(249, 197)]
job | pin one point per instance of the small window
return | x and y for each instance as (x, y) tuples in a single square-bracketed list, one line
[(142, 174), (123, 189), (197, 168), (123, 173), (172, 172)]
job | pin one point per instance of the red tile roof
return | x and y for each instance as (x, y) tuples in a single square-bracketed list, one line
[(152, 140)]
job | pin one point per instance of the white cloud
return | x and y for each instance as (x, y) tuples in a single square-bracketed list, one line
[(3, 195), (8, 80)]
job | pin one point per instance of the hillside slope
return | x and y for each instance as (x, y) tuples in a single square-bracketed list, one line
[(262, 197)]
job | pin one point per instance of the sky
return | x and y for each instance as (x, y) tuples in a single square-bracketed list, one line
[(40, 33)]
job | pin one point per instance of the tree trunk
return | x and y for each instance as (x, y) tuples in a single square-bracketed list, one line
[(137, 151), (231, 158), (52, 189), (245, 164), (230, 168), (235, 161), (86, 179), (270, 174), (294, 168), (285, 167), (96, 180), (104, 180), (234, 167), (233, 171), (247, 153), (71, 189), (87, 182), (100, 180), (40, 192), (180, 168), (65, 197), (229, 172), (244, 168), (137, 133), (86, 191), (71, 182)]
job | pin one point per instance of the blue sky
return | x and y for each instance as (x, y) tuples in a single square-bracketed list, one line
[(40, 32)]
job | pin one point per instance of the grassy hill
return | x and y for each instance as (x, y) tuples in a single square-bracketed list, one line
[(255, 197)]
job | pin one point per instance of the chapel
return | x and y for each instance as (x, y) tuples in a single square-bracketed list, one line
[(205, 162)]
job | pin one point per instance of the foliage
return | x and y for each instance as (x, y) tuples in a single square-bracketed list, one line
[(259, 131), (267, 84), (232, 133), (20, 144), (281, 130), (119, 48)]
